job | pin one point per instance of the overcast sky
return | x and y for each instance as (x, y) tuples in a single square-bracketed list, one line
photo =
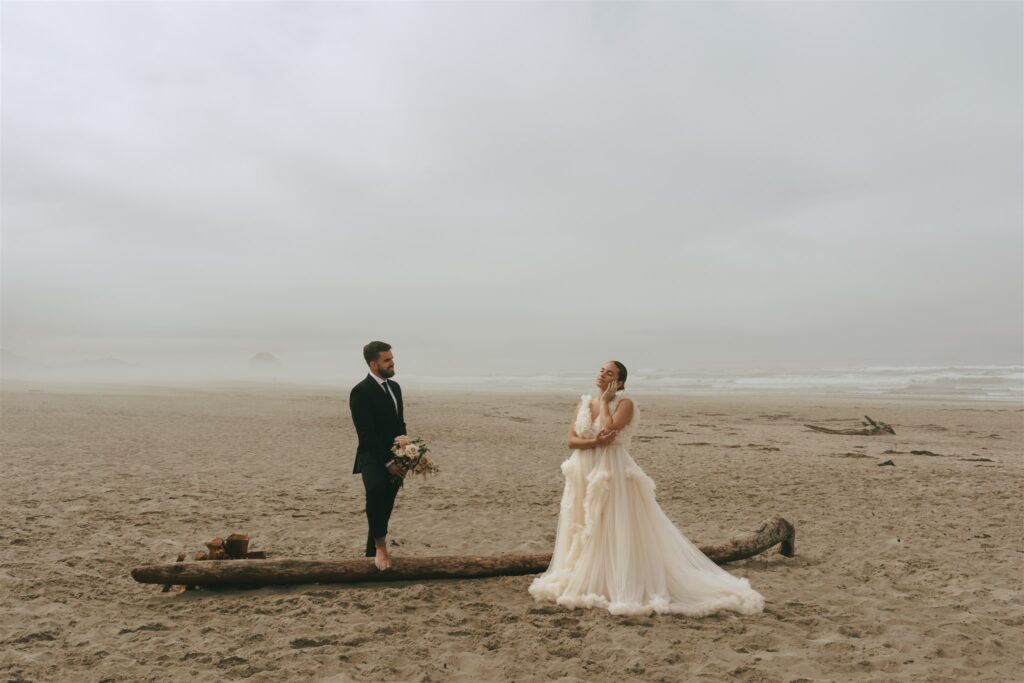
[(514, 187)]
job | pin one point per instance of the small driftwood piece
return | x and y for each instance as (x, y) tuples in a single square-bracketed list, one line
[(771, 532), (168, 586), (871, 428), (236, 547), (214, 550)]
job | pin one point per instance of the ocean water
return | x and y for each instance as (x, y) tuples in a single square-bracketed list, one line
[(960, 382), (963, 382)]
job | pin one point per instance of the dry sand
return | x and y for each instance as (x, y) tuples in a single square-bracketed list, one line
[(905, 573)]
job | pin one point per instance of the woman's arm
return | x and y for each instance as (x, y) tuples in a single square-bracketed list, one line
[(623, 414), (577, 442)]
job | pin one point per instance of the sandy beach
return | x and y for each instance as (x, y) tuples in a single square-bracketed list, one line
[(911, 572)]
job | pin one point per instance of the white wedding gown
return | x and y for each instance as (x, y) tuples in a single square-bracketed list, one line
[(616, 549)]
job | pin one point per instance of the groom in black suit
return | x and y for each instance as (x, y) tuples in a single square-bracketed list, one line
[(376, 405)]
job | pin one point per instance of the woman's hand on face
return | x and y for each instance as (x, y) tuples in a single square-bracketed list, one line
[(609, 391)]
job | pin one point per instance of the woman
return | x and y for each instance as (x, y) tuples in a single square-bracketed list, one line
[(615, 547)]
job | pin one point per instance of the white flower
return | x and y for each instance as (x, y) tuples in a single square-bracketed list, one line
[(412, 450)]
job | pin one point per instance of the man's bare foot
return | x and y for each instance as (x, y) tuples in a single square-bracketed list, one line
[(382, 559)]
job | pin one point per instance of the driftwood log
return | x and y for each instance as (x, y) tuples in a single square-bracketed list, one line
[(771, 532), (871, 428)]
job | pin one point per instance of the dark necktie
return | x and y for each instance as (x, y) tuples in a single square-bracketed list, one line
[(387, 390)]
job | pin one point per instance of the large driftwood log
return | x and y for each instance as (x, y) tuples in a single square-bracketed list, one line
[(871, 428), (771, 532), (285, 571)]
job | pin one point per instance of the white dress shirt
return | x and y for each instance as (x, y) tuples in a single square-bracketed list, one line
[(387, 390), (380, 383)]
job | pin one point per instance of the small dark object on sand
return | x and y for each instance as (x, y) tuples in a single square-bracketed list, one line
[(887, 462)]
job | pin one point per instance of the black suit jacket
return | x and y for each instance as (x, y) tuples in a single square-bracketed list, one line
[(377, 422)]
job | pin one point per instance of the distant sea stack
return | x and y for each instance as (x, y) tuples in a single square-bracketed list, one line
[(264, 361)]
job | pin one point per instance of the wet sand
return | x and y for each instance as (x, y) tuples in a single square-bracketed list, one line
[(910, 572)]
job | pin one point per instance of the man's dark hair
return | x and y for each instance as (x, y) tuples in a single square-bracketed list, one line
[(622, 372), (372, 351)]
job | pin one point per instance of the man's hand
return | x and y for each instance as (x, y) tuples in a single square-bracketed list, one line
[(397, 470), (402, 441)]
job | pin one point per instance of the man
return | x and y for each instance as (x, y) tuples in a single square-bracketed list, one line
[(376, 405)]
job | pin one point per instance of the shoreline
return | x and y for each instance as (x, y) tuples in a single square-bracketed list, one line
[(8, 385)]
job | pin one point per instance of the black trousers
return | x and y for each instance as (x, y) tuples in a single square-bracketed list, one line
[(380, 501)]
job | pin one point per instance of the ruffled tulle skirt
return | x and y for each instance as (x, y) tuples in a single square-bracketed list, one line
[(617, 550)]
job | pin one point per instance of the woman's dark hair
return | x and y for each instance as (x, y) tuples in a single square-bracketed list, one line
[(372, 351), (622, 372)]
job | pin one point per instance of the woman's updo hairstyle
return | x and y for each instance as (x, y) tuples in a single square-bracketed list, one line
[(622, 372)]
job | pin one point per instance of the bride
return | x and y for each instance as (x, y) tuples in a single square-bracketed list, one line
[(615, 548)]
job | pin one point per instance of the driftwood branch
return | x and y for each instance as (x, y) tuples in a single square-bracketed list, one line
[(871, 428), (771, 532)]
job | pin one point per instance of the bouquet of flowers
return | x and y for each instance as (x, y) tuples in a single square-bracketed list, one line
[(410, 455)]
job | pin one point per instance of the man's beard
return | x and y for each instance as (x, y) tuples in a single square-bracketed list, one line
[(387, 374)]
